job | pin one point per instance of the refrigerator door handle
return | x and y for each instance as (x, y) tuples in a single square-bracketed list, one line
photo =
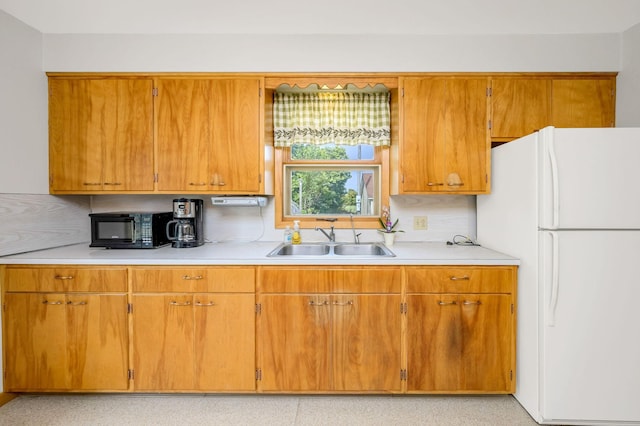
[(554, 182), (555, 279)]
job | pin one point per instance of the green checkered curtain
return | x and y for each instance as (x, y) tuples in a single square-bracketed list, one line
[(331, 118)]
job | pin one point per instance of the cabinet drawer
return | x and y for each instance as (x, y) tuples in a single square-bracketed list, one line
[(330, 280), (65, 279), (461, 280), (193, 280)]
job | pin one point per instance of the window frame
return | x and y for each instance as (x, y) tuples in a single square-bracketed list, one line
[(283, 160)]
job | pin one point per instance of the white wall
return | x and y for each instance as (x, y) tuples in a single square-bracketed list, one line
[(64, 52), (23, 110), (30, 219), (628, 83)]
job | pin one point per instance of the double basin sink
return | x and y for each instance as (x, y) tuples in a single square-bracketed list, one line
[(332, 249)]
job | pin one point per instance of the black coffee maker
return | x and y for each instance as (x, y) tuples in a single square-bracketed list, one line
[(186, 229)]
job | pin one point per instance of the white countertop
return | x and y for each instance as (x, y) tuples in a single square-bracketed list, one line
[(255, 253)]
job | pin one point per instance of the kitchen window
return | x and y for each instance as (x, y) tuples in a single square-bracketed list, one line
[(331, 157)]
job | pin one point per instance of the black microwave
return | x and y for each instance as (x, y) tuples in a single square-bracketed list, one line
[(129, 230)]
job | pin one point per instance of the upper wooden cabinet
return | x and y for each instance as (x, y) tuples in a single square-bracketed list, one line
[(583, 102), (444, 142), (521, 105), (100, 135), (209, 137)]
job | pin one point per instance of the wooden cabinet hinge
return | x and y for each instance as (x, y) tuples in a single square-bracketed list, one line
[(130, 374), (258, 374), (403, 375), (258, 308), (154, 91), (129, 308)]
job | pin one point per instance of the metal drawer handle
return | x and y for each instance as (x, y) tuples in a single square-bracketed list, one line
[(347, 303), (197, 184), (204, 304), (76, 303), (462, 278), (435, 184), (314, 303), (441, 303), (46, 302), (113, 183), (91, 183), (174, 303), (189, 277), (63, 277), (471, 302), (456, 184)]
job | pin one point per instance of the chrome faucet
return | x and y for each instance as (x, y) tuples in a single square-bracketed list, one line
[(331, 235), (356, 237)]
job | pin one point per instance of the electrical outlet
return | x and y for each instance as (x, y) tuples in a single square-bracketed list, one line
[(420, 223)]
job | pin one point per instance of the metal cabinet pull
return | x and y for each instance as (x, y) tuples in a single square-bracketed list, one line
[(63, 277), (204, 304), (91, 183), (462, 278), (435, 184), (441, 303), (189, 277), (347, 303), (314, 303), (456, 184), (76, 303), (57, 302), (198, 184), (113, 183), (471, 302), (174, 303)]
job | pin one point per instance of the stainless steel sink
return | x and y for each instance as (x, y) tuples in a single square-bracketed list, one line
[(332, 249), (374, 249), (301, 250)]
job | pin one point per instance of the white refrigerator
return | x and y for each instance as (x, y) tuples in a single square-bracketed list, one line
[(567, 203)]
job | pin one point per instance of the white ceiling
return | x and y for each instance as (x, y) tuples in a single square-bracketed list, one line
[(403, 17)]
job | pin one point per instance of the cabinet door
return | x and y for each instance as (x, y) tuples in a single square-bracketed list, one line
[(467, 143), (224, 341), (100, 135), (424, 131), (294, 343), (98, 342), (163, 346), (583, 103), (519, 106), (366, 342), (184, 134), (235, 156), (459, 343), (434, 346), (36, 342)]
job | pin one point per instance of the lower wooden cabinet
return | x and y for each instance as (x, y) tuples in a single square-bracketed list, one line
[(460, 330), (61, 341), (342, 329), (193, 329)]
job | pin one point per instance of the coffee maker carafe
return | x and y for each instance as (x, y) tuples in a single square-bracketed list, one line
[(186, 230)]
